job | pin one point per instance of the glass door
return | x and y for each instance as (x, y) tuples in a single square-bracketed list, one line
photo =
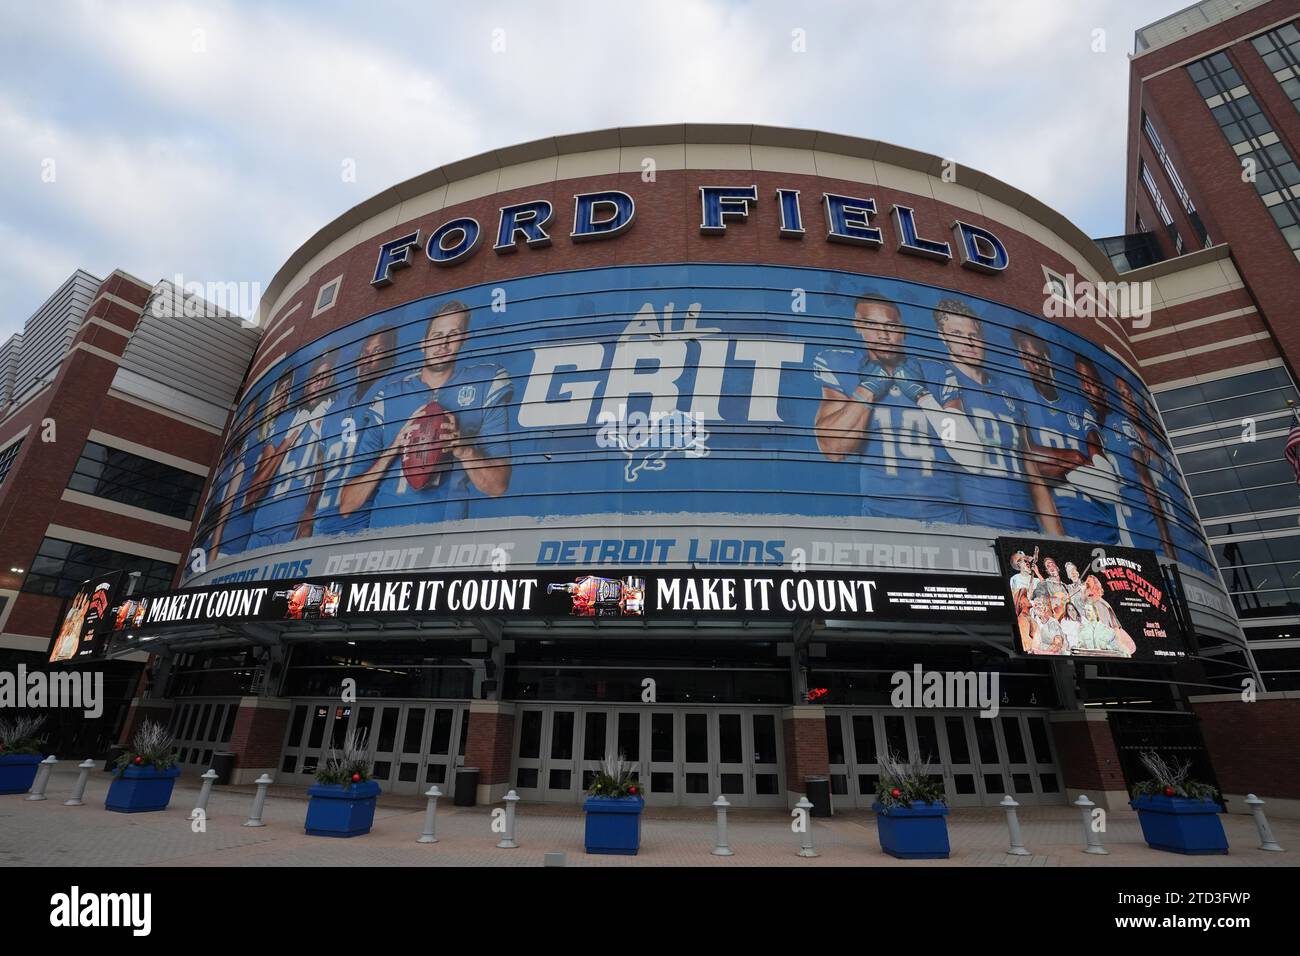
[(560, 781), (960, 770), (597, 740), (665, 746), (695, 770), (731, 772)]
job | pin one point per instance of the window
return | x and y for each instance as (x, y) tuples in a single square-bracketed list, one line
[(1159, 202), (1264, 158), (60, 567), (1176, 181), (131, 480), (7, 458), (1280, 50), (327, 295)]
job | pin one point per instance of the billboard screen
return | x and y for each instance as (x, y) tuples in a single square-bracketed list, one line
[(688, 415), (87, 620), (624, 594), (1079, 600)]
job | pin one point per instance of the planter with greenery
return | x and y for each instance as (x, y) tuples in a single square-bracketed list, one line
[(613, 808), (342, 801), (145, 773), (20, 753), (910, 811), (1177, 814)]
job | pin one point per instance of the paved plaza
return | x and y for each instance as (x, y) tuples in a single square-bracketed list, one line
[(46, 833)]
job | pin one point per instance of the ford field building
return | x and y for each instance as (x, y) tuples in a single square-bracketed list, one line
[(718, 447)]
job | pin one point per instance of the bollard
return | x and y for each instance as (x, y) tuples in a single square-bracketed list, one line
[(806, 839), (1017, 846), (79, 790), (430, 833), (209, 778), (722, 849), (508, 840), (1266, 840), (259, 801), (42, 778), (1092, 837)]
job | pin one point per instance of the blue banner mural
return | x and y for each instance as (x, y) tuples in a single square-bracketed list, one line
[(627, 399)]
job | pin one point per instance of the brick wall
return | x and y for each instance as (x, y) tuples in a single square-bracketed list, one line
[(1087, 756), (806, 752), (1255, 747), (488, 745), (258, 736)]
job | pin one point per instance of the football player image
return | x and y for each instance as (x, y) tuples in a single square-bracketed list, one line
[(1141, 512), (1002, 488), (354, 415), (234, 517), (878, 408), (443, 439), (69, 639), (1065, 445), (289, 474)]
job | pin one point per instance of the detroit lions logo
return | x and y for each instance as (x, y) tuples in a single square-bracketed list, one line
[(647, 439), (465, 397)]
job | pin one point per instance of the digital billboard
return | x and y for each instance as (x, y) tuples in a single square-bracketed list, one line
[(694, 415), (87, 620), (1079, 600)]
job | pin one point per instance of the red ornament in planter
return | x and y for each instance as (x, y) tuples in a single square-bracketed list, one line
[(895, 793), (356, 778), (1169, 791), (139, 760), (632, 790)]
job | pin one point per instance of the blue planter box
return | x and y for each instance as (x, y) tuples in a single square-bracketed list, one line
[(18, 772), (918, 832), (141, 789), (338, 811), (613, 825), (1181, 825)]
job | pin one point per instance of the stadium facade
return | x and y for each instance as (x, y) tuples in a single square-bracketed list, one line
[(751, 409)]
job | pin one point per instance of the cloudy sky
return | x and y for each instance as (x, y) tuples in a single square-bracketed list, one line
[(210, 139)]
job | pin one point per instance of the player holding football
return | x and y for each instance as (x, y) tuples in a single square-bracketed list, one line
[(353, 417), (234, 520), (1065, 446), (443, 439), (879, 407), (1002, 488)]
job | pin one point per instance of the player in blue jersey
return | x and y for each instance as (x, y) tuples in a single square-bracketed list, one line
[(288, 475), (1001, 488), (1141, 513), (352, 417), (443, 440), (878, 408), (1064, 443), (234, 518)]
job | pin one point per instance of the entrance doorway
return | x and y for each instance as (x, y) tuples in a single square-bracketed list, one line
[(683, 755), (980, 759), (415, 744)]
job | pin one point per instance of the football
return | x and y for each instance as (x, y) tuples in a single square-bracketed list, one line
[(424, 456)]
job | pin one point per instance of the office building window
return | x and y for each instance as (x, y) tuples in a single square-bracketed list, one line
[(60, 567), (1176, 181), (131, 480), (1265, 159), (1161, 209), (1280, 50), (7, 458)]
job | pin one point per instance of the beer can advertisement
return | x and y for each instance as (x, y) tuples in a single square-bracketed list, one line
[(1081, 600)]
